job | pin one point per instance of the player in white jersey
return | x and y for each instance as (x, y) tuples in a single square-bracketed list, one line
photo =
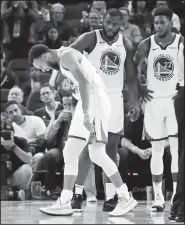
[(93, 108), (161, 51), (112, 56)]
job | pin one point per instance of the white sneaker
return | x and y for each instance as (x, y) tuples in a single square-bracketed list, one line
[(57, 209), (92, 199), (124, 206), (159, 203)]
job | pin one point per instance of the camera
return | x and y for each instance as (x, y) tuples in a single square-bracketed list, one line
[(6, 134)]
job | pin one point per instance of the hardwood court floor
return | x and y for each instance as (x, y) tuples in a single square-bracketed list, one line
[(17, 212)]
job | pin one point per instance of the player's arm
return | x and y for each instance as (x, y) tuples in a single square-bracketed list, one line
[(181, 62), (139, 57), (131, 73), (141, 52), (70, 60), (85, 42)]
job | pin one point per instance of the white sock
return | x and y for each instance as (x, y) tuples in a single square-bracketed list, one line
[(110, 190), (174, 191), (174, 187), (157, 189), (78, 189), (66, 196), (123, 192)]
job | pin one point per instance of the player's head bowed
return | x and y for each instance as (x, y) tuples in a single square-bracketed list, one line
[(43, 58)]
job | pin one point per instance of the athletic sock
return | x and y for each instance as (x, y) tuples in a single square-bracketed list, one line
[(123, 192), (66, 196), (78, 189), (110, 190)]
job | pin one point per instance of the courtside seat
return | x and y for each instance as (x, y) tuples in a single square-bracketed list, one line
[(21, 68), (4, 96)]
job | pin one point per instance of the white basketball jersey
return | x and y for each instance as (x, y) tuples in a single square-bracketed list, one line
[(93, 78), (109, 62), (162, 68)]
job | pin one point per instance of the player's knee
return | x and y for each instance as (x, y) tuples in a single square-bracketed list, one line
[(97, 153), (22, 177), (158, 147)]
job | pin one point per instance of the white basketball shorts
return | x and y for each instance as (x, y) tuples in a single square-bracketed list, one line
[(116, 119), (99, 115), (159, 119)]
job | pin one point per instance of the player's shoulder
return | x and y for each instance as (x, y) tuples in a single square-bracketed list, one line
[(86, 39), (89, 35)]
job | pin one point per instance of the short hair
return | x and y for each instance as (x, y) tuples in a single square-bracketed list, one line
[(113, 12), (164, 12), (16, 86), (126, 9), (57, 5), (12, 102), (36, 51), (47, 85)]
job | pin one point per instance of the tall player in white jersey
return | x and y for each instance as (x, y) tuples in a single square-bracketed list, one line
[(112, 56), (89, 125), (161, 51)]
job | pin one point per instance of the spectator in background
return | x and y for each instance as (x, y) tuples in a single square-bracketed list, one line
[(8, 77), (142, 17), (19, 155), (31, 128), (19, 18), (16, 94), (99, 6), (84, 22), (175, 17), (65, 31), (93, 21), (47, 96), (52, 39), (35, 76), (128, 30), (44, 8)]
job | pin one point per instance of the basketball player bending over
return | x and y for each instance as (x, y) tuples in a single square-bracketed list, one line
[(161, 51), (94, 110)]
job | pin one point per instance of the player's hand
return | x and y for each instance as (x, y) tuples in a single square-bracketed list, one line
[(141, 154), (134, 112), (148, 152), (145, 93), (88, 124)]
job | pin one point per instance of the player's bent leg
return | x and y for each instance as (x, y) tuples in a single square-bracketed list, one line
[(71, 152), (156, 165), (126, 201)]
